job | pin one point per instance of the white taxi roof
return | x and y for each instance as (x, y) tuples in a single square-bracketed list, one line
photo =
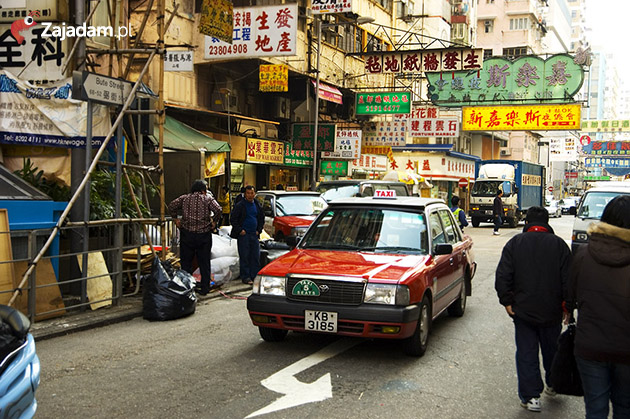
[(401, 201)]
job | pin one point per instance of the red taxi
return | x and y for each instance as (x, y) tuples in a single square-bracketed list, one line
[(374, 267), (289, 213)]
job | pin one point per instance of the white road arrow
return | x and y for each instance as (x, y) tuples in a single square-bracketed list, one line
[(296, 392)]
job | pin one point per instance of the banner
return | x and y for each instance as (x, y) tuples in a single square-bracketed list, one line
[(418, 61), (31, 115), (615, 125), (330, 6), (215, 164), (297, 158), (265, 151), (258, 31), (563, 149), (521, 118)]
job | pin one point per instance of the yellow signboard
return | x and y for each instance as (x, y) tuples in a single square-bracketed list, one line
[(215, 164), (217, 19), (274, 78), (521, 118), (265, 151)]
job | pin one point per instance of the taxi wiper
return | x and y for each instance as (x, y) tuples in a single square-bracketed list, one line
[(393, 249), (331, 246)]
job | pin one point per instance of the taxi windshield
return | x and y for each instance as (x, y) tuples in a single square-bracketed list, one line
[(296, 205), (368, 229), (594, 204), (338, 192)]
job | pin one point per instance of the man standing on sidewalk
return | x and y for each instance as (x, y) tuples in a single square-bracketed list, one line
[(248, 220), (532, 284), (201, 213), (497, 211)]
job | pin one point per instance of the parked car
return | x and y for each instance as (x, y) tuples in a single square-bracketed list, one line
[(554, 209), (19, 365), (336, 189), (591, 207), (368, 267), (568, 202), (289, 213)]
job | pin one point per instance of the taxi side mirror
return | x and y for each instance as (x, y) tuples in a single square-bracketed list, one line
[(573, 210), (292, 241), (443, 249)]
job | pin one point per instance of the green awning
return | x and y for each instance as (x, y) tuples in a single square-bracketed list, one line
[(179, 136)]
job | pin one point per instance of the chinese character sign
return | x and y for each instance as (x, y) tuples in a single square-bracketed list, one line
[(607, 148), (258, 31), (528, 79), (265, 151), (303, 137), (387, 133), (38, 58), (370, 162), (563, 149), (335, 168), (419, 61), (382, 103), (274, 78), (518, 118), (608, 163), (348, 143), (178, 61), (617, 125), (330, 6), (423, 122), (216, 19), (298, 158)]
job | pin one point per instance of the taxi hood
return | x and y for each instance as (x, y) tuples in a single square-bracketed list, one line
[(380, 267), (296, 220)]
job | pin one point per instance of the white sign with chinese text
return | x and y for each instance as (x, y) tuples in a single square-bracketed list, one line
[(437, 166), (259, 31), (37, 59), (371, 162), (563, 149), (433, 127), (178, 61), (347, 145), (330, 6), (387, 133)]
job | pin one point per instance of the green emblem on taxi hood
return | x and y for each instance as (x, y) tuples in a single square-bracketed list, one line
[(306, 287)]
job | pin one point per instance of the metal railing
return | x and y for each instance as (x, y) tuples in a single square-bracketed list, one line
[(63, 288)]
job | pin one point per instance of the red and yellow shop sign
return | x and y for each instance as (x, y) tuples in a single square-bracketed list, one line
[(265, 151), (522, 118), (274, 78)]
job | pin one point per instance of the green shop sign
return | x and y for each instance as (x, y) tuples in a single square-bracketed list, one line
[(297, 158), (383, 103), (303, 137), (332, 167), (592, 178), (527, 80)]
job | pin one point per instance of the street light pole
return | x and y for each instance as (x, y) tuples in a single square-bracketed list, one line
[(318, 22)]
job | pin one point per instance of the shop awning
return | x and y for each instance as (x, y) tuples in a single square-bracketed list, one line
[(329, 93), (179, 136)]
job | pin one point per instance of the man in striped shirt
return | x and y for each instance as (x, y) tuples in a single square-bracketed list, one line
[(200, 214)]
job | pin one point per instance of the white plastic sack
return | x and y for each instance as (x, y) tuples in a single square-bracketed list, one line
[(220, 268), (223, 247)]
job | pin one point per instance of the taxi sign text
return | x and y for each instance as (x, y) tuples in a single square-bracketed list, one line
[(385, 193)]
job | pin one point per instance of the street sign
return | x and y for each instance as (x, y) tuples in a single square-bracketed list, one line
[(463, 182), (98, 88), (550, 189)]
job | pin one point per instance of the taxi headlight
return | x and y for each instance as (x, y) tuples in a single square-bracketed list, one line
[(269, 285), (386, 294), (298, 231)]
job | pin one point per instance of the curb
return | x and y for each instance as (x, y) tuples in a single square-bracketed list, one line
[(130, 309)]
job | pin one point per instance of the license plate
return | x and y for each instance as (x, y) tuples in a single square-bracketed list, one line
[(320, 321), (489, 212)]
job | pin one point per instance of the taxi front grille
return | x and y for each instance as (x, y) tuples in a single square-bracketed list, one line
[(330, 291)]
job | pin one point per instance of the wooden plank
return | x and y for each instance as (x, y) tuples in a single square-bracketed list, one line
[(6, 254), (101, 287), (46, 298)]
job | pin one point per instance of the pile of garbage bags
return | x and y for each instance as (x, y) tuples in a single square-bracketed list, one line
[(168, 293)]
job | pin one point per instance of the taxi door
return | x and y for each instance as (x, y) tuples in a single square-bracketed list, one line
[(267, 204), (454, 237), (443, 269)]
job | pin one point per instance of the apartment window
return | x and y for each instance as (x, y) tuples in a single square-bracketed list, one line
[(489, 1), (458, 30), (488, 26), (387, 4), (514, 52), (519, 24), (404, 8), (487, 53)]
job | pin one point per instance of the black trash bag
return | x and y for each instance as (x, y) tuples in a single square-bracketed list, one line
[(168, 293), (564, 375)]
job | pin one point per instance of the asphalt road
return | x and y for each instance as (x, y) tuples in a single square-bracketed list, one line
[(211, 365)]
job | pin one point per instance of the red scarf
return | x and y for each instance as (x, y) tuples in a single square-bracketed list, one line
[(539, 229)]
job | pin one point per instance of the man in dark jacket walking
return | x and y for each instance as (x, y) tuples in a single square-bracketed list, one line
[(247, 222), (532, 284), (497, 211)]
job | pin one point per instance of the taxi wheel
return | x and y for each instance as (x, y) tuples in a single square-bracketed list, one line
[(457, 307), (416, 344), (272, 335)]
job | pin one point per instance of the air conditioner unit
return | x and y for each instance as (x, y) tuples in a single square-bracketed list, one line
[(221, 102), (283, 107), (504, 151)]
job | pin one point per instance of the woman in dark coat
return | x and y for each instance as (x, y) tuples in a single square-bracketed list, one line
[(599, 287)]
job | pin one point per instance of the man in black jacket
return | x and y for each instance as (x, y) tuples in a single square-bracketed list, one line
[(532, 283), (247, 222), (497, 211)]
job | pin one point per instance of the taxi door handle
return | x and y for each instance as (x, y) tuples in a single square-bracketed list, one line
[(451, 261)]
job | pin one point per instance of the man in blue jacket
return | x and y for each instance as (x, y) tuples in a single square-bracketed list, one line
[(458, 212), (532, 284), (247, 222)]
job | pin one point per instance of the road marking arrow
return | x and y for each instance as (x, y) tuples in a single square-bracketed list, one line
[(296, 392)]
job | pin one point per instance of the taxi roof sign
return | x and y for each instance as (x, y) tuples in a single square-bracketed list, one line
[(385, 193)]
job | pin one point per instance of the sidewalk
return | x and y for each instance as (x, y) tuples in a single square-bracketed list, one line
[(129, 308)]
